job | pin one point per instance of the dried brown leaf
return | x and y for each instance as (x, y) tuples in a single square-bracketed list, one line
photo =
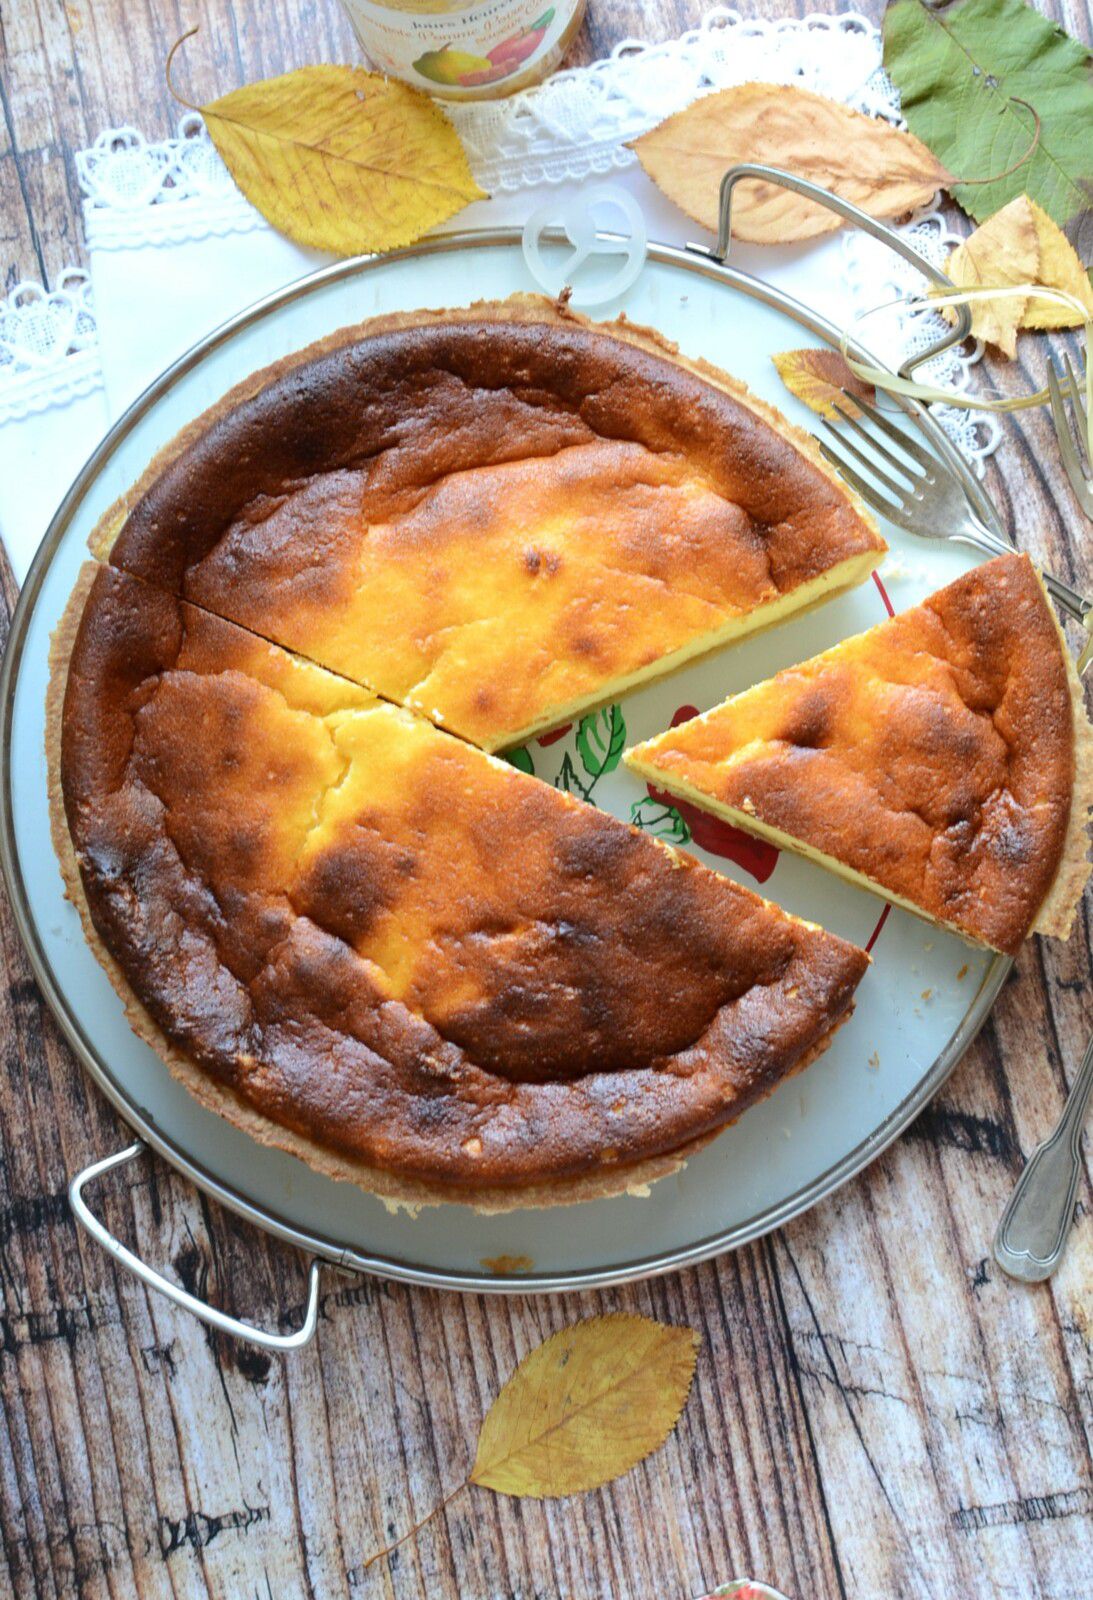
[(585, 1406), (818, 377), (342, 159), (880, 168)]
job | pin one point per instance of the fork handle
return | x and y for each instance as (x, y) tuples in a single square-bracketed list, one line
[(1032, 1233), (1071, 601)]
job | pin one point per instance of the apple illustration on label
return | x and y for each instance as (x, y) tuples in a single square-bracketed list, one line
[(520, 46), (461, 69)]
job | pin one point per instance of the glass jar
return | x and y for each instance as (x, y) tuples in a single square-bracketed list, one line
[(466, 49)]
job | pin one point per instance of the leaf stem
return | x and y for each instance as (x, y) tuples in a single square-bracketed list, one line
[(417, 1527), (568, 770), (996, 177), (181, 98)]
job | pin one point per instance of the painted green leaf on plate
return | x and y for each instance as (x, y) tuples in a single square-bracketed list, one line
[(601, 738), (664, 822), (520, 758), (567, 778), (959, 70)]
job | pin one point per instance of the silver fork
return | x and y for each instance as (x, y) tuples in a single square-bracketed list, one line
[(912, 488), (1073, 443)]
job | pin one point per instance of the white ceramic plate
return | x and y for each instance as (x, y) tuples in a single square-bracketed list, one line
[(918, 1006)]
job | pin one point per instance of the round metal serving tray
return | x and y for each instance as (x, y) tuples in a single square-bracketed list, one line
[(680, 286)]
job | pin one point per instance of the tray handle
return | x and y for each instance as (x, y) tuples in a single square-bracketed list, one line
[(851, 213), (182, 1297)]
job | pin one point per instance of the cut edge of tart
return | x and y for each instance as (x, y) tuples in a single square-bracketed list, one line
[(836, 581), (570, 659), (1055, 918), (394, 1188), (686, 761)]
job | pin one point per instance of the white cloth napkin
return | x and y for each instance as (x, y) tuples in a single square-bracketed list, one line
[(175, 293), (175, 249)]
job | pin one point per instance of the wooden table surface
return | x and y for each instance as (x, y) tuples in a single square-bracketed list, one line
[(878, 1412)]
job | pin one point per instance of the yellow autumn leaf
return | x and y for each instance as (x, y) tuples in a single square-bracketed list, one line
[(342, 159), (1060, 268), (586, 1406), (818, 377), (1019, 245), (862, 159), (1003, 253)]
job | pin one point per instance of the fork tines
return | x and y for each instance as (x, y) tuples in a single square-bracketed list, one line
[(899, 472)]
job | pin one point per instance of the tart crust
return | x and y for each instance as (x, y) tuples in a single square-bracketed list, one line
[(1055, 918)]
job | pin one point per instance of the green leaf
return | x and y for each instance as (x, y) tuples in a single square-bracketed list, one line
[(664, 822), (959, 71), (600, 740), (520, 758), (568, 780)]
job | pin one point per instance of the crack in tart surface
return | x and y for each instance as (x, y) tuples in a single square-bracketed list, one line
[(943, 759), (363, 939), (497, 516)]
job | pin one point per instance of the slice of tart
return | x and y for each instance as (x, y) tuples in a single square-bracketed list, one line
[(364, 940), (496, 516), (943, 760)]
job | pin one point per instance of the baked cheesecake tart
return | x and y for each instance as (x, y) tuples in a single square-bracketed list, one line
[(368, 942), (496, 516), (943, 760)]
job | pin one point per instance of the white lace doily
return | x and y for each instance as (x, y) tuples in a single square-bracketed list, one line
[(48, 345), (571, 127)]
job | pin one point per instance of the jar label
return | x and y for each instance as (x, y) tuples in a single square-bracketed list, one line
[(459, 50)]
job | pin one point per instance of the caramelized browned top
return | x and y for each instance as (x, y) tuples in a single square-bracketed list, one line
[(933, 754), (495, 518), (393, 944)]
